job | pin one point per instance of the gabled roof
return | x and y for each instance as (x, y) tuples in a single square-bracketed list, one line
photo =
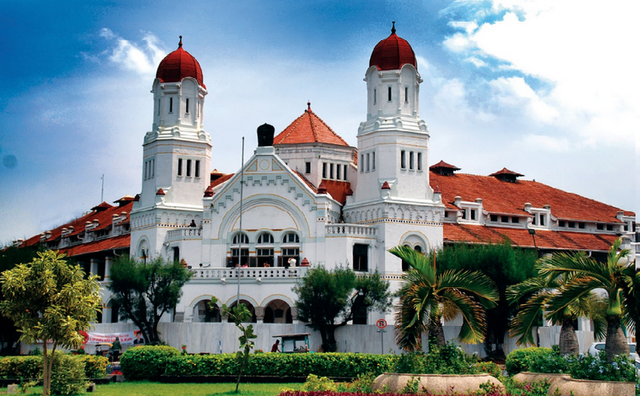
[(509, 198), (308, 128)]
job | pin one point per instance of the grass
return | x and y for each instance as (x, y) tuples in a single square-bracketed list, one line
[(160, 389)]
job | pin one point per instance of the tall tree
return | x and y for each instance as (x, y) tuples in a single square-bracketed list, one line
[(50, 301), (506, 266), (536, 293), (329, 299), (145, 291), (617, 277), (431, 294), (9, 258)]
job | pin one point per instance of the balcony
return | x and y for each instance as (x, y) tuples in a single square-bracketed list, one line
[(258, 273), (350, 230), (182, 234)]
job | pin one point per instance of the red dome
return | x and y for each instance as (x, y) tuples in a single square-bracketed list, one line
[(178, 65), (392, 52)]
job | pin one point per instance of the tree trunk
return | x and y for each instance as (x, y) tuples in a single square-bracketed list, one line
[(436, 333), (568, 339), (616, 342)]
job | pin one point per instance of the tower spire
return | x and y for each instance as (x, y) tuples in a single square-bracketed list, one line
[(180, 43), (393, 27)]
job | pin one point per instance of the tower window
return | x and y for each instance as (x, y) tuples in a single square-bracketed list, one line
[(330, 171), (389, 93), (179, 166), (188, 168), (375, 96), (361, 163), (158, 106), (197, 169), (324, 170), (338, 169), (403, 159), (368, 162), (373, 160), (170, 105), (360, 257), (344, 173), (419, 161), (411, 160), (307, 167), (406, 95), (186, 106)]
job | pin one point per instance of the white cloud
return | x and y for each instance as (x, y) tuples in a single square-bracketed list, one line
[(580, 49), (142, 59), (547, 143), (515, 93)]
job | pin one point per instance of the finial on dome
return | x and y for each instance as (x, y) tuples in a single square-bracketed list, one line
[(393, 27), (308, 105), (180, 43)]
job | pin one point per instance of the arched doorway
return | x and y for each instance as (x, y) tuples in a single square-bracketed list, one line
[(203, 313), (251, 308), (277, 311)]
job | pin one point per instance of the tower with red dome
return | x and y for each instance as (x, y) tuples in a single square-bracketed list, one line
[(176, 154), (393, 147)]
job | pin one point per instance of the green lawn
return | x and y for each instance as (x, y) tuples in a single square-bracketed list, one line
[(160, 389)]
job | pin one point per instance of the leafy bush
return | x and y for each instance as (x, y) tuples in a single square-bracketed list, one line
[(27, 367), (94, 366), (147, 362), (536, 388), (67, 375), (521, 359), (283, 364), (449, 359), (553, 363), (315, 383), (596, 368)]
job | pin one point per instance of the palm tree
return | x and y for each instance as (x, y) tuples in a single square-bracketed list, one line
[(584, 275), (429, 295), (539, 291)]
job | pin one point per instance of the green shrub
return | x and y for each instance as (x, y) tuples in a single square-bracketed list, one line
[(319, 384), (596, 368), (449, 359), (94, 366), (147, 362), (521, 359), (67, 375), (552, 363), (349, 365), (27, 367)]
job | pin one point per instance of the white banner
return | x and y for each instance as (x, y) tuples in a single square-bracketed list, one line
[(128, 338)]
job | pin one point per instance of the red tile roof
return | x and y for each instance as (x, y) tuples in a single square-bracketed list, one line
[(118, 242), (338, 189), (509, 198), (103, 213), (308, 128), (464, 233)]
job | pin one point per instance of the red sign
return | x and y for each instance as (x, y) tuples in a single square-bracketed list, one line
[(381, 323)]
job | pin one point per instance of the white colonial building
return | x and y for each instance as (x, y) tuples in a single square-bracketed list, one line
[(305, 199)]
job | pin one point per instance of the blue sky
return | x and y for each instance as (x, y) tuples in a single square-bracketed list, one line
[(548, 89)]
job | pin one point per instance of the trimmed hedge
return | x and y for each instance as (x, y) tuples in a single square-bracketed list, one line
[(522, 359), (30, 367), (283, 364), (15, 367), (147, 362)]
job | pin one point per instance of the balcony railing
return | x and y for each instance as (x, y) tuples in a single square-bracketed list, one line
[(182, 234), (259, 273), (350, 230)]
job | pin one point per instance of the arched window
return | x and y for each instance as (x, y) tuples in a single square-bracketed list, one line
[(405, 265), (239, 250), (265, 238), (291, 237), (202, 312), (251, 309), (264, 250), (277, 311), (290, 250), (240, 238)]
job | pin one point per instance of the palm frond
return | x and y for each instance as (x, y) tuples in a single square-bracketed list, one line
[(528, 317), (473, 316), (475, 283)]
